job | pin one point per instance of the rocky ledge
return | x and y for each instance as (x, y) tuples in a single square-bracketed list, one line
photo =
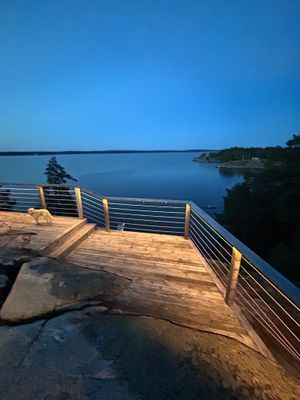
[(45, 285), (62, 339)]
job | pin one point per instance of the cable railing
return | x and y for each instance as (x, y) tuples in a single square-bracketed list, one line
[(92, 206), (147, 215), (268, 300)]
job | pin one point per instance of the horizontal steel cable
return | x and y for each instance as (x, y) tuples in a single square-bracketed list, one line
[(149, 220), (85, 206), (208, 251), (269, 307), (275, 301), (55, 208), (200, 225), (85, 209), (62, 213), (92, 216), (271, 283), (12, 197), (97, 203), (200, 233), (289, 347), (206, 223), (146, 215), (153, 226), (85, 193), (248, 261), (16, 189), (84, 203), (145, 205), (207, 257)]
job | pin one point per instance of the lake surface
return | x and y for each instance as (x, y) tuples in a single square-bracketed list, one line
[(152, 175)]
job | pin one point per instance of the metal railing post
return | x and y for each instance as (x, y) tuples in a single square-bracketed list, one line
[(233, 276), (106, 214), (42, 196), (79, 202), (187, 220)]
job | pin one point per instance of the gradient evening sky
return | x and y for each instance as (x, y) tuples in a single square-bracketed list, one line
[(148, 74)]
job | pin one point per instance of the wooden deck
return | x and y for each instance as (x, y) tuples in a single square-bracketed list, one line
[(169, 280), (22, 225), (169, 277)]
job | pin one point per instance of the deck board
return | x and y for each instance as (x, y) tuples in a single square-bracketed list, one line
[(45, 233), (169, 279)]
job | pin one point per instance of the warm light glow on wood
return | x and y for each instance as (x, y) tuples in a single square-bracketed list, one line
[(79, 202), (233, 277), (106, 214), (187, 220)]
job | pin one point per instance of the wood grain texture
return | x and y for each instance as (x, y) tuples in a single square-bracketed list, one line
[(169, 280), (45, 233)]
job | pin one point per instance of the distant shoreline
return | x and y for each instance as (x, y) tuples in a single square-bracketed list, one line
[(235, 164), (71, 152)]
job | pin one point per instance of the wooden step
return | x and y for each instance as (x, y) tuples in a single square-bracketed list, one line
[(65, 248), (46, 251)]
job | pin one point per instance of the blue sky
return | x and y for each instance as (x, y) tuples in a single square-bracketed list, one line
[(148, 74)]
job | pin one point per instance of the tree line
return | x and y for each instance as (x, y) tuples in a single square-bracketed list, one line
[(264, 211), (271, 154)]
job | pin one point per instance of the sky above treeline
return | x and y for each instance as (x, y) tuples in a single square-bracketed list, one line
[(148, 74)]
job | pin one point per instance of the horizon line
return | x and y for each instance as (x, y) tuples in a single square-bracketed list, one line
[(49, 152)]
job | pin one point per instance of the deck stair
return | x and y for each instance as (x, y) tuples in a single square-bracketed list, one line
[(69, 240)]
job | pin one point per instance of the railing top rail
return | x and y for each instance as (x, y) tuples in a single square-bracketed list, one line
[(289, 289), (99, 196), (147, 200), (34, 185)]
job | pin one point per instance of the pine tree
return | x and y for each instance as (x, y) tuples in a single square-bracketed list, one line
[(59, 200), (56, 174)]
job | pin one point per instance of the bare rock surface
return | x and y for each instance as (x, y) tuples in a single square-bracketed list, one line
[(97, 352), (92, 355), (45, 285), (11, 258)]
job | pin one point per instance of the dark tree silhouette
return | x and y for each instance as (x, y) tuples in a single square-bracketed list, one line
[(59, 199), (294, 141), (56, 174), (264, 212), (6, 202)]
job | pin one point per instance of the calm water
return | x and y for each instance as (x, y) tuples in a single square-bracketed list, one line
[(167, 175)]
